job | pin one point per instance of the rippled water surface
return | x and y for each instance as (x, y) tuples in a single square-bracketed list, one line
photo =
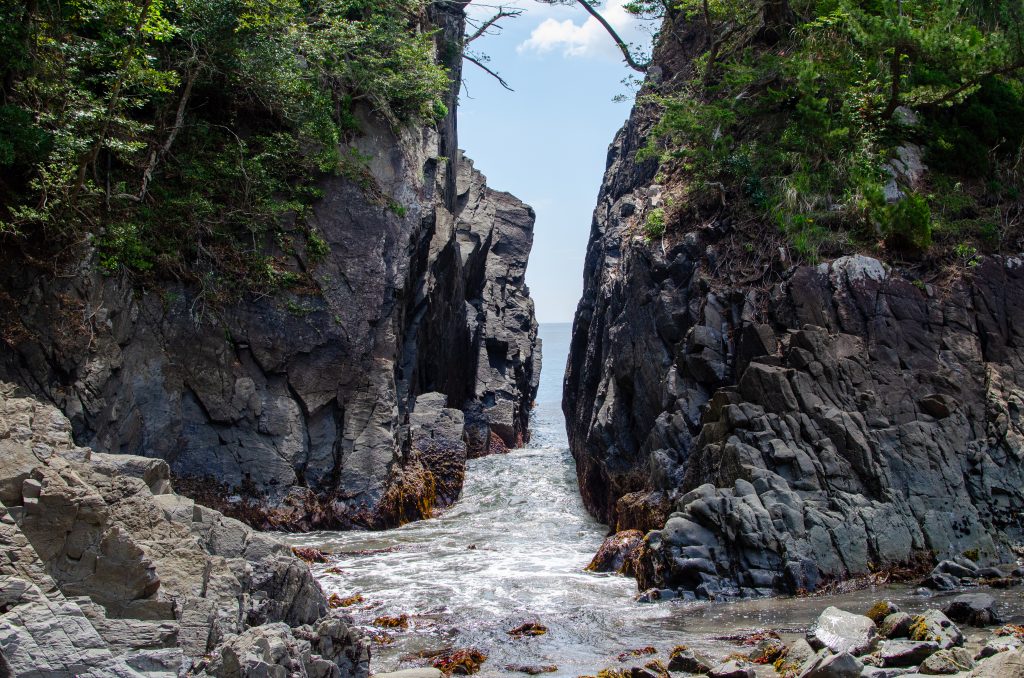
[(513, 550)]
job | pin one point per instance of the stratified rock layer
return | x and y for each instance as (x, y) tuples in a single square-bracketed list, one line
[(299, 400), (813, 423), (106, 572)]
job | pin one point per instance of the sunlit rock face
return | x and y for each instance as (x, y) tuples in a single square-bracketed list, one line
[(105, 571), (294, 408), (805, 423)]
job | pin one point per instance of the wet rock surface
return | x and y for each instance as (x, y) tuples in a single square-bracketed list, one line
[(814, 424), (298, 402), (106, 572), (617, 552)]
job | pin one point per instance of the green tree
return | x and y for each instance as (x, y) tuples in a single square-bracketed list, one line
[(181, 134)]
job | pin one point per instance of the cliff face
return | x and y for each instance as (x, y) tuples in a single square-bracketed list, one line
[(300, 401), (802, 424), (105, 571)]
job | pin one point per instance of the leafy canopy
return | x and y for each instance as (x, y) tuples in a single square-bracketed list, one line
[(802, 104), (181, 135)]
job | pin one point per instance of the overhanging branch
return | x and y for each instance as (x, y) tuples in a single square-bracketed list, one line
[(491, 73)]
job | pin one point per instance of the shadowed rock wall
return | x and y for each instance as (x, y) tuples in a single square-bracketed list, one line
[(299, 402), (813, 423)]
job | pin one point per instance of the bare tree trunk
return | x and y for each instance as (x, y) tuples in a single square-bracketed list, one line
[(179, 118)]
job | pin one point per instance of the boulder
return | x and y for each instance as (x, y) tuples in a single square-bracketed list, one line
[(974, 609), (1009, 664), (828, 665), (940, 581), (881, 672), (617, 552), (902, 653), (842, 631), (734, 668), (686, 660), (896, 625), (880, 610), (999, 644), (799, 652), (947, 662), (937, 627), (137, 583), (964, 569)]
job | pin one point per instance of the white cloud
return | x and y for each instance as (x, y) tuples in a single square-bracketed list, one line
[(587, 38)]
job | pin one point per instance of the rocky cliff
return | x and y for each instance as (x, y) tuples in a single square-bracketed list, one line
[(774, 426), (106, 572), (297, 405)]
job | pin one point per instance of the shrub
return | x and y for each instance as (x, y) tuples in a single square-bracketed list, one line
[(654, 225), (907, 224)]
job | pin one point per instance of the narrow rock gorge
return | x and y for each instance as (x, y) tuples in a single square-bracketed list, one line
[(773, 426), (293, 409)]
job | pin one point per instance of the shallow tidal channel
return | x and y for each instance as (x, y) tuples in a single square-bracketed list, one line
[(514, 549)]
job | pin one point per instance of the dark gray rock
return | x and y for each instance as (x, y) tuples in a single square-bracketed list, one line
[(438, 444), (685, 660), (299, 400), (960, 570), (733, 668), (906, 652), (940, 581), (974, 609), (494, 231), (828, 665), (872, 418)]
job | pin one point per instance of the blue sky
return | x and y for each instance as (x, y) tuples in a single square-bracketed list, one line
[(547, 141)]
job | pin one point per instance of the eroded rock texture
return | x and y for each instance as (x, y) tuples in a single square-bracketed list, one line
[(106, 572), (815, 424), (300, 400)]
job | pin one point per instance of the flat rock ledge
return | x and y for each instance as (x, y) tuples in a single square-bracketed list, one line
[(106, 572)]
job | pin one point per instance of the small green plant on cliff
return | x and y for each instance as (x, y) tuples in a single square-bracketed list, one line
[(795, 108), (654, 225), (179, 137), (907, 224)]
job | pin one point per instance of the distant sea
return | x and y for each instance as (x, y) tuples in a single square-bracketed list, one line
[(548, 423)]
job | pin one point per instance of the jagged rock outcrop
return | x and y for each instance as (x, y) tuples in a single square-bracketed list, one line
[(814, 423), (298, 402), (106, 572), (495, 235)]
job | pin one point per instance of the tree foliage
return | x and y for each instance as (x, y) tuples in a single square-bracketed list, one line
[(802, 107), (181, 134)]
